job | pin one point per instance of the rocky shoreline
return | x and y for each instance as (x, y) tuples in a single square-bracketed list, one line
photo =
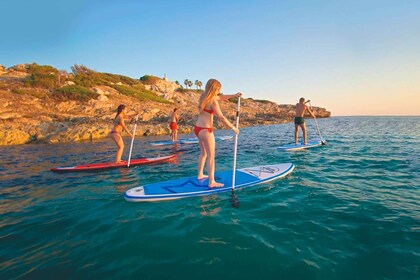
[(30, 115)]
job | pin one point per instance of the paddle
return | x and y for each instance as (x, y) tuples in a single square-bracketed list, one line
[(234, 199), (132, 141), (317, 127)]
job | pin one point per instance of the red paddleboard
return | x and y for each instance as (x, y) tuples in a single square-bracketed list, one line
[(109, 165)]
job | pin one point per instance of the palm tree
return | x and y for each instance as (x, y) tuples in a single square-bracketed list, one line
[(199, 84), (190, 84), (186, 83)]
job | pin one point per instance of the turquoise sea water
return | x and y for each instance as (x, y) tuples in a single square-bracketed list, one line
[(350, 210)]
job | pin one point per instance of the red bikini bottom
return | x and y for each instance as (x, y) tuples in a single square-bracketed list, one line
[(197, 130)]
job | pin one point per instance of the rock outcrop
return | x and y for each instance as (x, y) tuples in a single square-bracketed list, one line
[(30, 115)]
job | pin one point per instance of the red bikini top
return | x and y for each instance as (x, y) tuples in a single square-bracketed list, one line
[(208, 111)]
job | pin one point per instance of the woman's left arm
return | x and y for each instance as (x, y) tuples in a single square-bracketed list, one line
[(216, 108), (228, 96), (132, 116)]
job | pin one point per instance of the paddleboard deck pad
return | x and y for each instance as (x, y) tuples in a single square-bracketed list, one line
[(109, 165), (192, 140), (300, 146), (191, 186)]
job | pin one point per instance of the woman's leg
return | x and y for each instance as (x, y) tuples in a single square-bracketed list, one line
[(210, 148), (120, 144), (201, 159)]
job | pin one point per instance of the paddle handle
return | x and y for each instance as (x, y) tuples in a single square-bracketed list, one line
[(317, 126), (235, 149), (132, 141)]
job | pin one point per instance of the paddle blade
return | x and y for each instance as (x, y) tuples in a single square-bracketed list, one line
[(234, 200)]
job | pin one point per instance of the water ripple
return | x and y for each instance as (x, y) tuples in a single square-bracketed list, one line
[(349, 210)]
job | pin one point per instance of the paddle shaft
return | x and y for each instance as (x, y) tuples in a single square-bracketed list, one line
[(317, 127), (132, 141), (235, 150)]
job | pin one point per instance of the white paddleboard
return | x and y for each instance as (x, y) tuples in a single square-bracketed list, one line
[(193, 140), (191, 186), (300, 146)]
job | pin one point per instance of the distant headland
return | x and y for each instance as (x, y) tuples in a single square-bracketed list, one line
[(40, 103)]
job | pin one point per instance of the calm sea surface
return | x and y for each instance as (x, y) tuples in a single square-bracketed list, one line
[(350, 210)]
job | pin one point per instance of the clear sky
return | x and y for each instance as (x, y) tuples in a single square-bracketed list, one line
[(351, 57)]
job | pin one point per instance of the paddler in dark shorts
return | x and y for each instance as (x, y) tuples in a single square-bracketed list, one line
[(173, 125), (301, 108)]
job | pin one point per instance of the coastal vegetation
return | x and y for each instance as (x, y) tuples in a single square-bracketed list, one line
[(41, 76), (45, 81), (149, 79), (138, 91), (74, 92), (45, 104), (86, 77)]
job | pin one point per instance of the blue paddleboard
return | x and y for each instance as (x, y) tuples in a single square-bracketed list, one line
[(193, 140), (164, 143), (191, 186), (300, 146)]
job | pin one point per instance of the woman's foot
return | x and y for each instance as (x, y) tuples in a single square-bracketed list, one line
[(202, 177), (216, 185)]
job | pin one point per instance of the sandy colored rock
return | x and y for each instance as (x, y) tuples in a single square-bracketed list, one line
[(30, 115)]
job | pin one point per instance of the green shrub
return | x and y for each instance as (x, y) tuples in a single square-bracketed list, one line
[(149, 79), (260, 101), (74, 92), (86, 77), (140, 93), (29, 91), (122, 79), (41, 76), (263, 101)]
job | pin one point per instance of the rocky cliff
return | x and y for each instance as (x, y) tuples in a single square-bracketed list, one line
[(53, 106)]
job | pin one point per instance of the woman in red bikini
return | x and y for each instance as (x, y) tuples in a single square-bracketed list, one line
[(119, 126), (208, 106)]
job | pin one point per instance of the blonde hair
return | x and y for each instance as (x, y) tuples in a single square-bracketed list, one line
[(213, 87)]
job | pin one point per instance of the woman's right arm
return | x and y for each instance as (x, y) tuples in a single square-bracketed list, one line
[(122, 123)]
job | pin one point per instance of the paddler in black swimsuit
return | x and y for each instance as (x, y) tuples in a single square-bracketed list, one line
[(300, 121)]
